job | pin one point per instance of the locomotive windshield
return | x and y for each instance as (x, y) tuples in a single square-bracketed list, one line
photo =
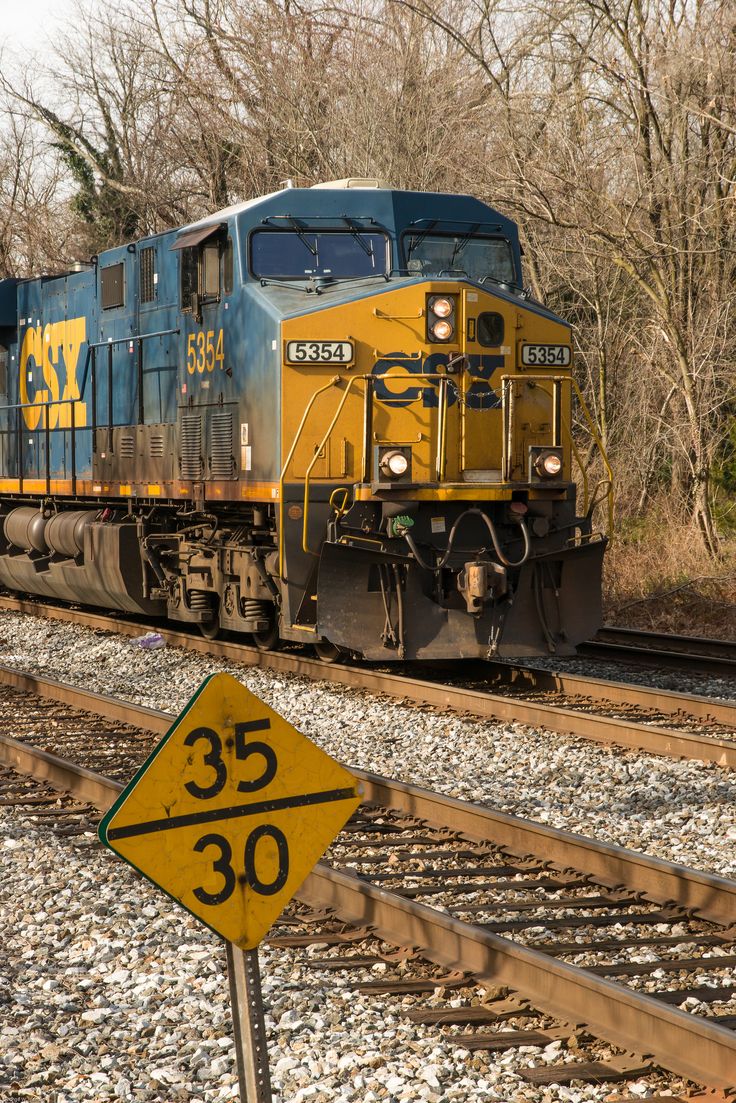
[(296, 254), (480, 258)]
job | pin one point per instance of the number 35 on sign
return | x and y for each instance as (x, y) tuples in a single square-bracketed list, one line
[(231, 811)]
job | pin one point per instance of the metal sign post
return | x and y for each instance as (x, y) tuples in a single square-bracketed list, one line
[(228, 816), (249, 1026)]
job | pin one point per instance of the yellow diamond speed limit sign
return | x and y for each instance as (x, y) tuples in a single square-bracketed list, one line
[(231, 811)]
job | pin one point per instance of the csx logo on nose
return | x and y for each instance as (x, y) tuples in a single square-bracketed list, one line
[(400, 392)]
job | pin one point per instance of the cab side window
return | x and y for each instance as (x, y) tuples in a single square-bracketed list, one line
[(210, 272), (200, 273), (189, 276)]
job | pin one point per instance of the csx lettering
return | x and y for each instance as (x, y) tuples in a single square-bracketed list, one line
[(53, 350), (398, 391)]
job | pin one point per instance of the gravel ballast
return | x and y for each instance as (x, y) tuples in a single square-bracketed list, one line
[(110, 986)]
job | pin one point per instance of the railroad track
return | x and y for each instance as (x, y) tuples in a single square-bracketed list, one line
[(602, 940), (638, 717), (692, 653)]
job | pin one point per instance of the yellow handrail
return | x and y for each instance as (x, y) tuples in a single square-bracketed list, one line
[(413, 376), (282, 477), (599, 444), (579, 459), (540, 381), (318, 449)]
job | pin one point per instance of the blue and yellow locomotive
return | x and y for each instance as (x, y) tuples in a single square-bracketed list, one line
[(328, 415)]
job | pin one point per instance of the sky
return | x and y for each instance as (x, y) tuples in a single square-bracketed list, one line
[(30, 25)]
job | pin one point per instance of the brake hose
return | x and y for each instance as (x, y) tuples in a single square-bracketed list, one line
[(451, 539)]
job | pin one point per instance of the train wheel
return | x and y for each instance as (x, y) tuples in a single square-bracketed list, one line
[(268, 639), (329, 652), (204, 602), (210, 629)]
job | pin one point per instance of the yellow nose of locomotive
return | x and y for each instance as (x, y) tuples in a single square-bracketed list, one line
[(425, 430), (433, 372)]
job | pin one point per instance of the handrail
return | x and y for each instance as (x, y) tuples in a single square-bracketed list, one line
[(581, 466), (508, 382), (282, 477), (444, 380), (40, 406), (599, 444), (47, 431), (130, 338), (318, 449), (441, 457)]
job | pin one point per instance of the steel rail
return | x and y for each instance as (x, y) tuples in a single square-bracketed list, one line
[(710, 896), (601, 729), (665, 641), (533, 678), (688, 1046), (645, 656), (690, 653)]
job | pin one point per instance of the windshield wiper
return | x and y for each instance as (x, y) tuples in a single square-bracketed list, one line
[(355, 279), (301, 235), (265, 281), (462, 242), (318, 284), (510, 284), (355, 232), (415, 242), (327, 283)]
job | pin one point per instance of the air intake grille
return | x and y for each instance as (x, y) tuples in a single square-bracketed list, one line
[(156, 446), (191, 446), (147, 260), (222, 462), (127, 447)]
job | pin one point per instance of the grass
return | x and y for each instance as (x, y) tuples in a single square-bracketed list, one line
[(658, 575)]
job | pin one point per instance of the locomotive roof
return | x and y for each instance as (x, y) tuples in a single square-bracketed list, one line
[(385, 205)]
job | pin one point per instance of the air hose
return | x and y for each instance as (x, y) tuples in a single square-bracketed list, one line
[(451, 540)]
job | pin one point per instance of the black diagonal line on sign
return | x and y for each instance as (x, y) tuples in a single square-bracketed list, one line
[(234, 812)]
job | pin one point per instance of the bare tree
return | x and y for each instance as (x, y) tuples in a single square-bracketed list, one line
[(37, 231), (620, 138)]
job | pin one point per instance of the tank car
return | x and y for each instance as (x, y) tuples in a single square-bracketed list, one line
[(330, 415)]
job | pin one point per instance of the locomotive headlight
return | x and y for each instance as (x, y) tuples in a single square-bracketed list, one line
[(394, 464), (442, 330), (442, 308), (552, 465), (548, 464), (441, 314)]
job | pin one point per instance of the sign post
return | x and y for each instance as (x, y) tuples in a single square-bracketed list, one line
[(228, 816), (248, 1024)]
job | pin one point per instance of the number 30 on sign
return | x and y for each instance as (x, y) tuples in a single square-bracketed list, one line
[(231, 811)]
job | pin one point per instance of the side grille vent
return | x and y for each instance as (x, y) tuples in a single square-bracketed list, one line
[(127, 447), (222, 462), (191, 446), (156, 446)]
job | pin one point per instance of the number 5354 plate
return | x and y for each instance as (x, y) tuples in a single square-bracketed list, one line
[(319, 352), (555, 355)]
